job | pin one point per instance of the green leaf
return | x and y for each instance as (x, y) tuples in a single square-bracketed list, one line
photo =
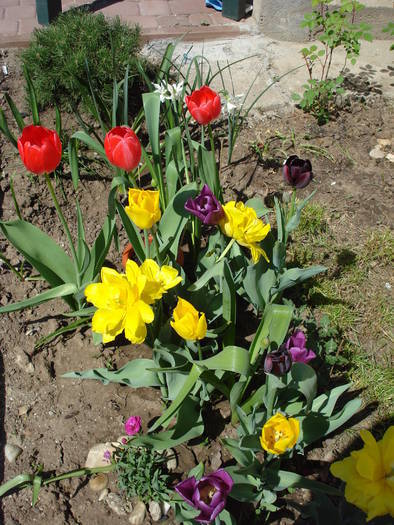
[(132, 233), (99, 250), (136, 373), (59, 291), (229, 311), (93, 144), (20, 481), (73, 160), (303, 379), (295, 219), (126, 97), (258, 205), (41, 251), (174, 219), (32, 97), (281, 480), (151, 103), (207, 170), (243, 457), (279, 219), (17, 116), (258, 284), (325, 403), (214, 271), (295, 276), (6, 130), (58, 124)]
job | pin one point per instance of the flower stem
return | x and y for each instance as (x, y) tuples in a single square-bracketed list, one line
[(65, 227), (226, 250), (199, 350), (147, 244), (155, 240)]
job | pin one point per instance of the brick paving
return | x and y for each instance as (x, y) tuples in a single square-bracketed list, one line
[(157, 18)]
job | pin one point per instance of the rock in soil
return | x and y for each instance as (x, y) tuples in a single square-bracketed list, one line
[(116, 504), (103, 494), (96, 455), (377, 153), (99, 482), (11, 452), (165, 507), (155, 510), (138, 515)]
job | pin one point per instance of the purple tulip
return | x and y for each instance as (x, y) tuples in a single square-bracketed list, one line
[(278, 362), (208, 495), (297, 172), (205, 206), (296, 346)]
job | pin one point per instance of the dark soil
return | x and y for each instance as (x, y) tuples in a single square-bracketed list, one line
[(63, 418)]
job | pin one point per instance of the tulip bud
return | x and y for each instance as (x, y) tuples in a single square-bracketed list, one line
[(40, 149), (204, 105), (122, 148), (206, 207), (278, 362), (297, 172)]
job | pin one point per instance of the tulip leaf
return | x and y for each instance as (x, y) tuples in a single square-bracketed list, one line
[(32, 97), (231, 358), (20, 481), (172, 178), (189, 426), (303, 378), (258, 205), (294, 276), (229, 311), (89, 141), (174, 219), (151, 102), (6, 130), (41, 251), (207, 169), (73, 161), (132, 233), (279, 219), (58, 291), (99, 250), (258, 283), (214, 271), (243, 457), (136, 373), (295, 219), (17, 116), (281, 480)]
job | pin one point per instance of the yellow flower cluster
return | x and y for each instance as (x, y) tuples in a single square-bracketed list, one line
[(369, 475), (123, 300), (242, 224), (279, 434)]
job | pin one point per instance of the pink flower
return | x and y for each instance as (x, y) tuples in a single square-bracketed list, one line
[(296, 346), (133, 425), (107, 455)]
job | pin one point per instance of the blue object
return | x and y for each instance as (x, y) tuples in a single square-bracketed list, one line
[(216, 4)]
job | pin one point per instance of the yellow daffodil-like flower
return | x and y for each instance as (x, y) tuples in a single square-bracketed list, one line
[(369, 475), (187, 321), (119, 304), (158, 280), (242, 224), (279, 434), (144, 207)]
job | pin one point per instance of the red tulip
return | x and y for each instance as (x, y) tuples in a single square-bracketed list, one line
[(122, 147), (40, 149), (204, 105)]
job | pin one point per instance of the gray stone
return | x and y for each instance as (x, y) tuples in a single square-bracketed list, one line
[(377, 153), (216, 460), (99, 482), (137, 517), (116, 504), (23, 410), (11, 452), (390, 157), (155, 510), (172, 463), (22, 360), (103, 494), (96, 455), (165, 507)]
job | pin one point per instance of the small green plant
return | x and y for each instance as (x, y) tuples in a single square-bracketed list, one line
[(389, 29), (141, 472), (334, 29), (58, 54)]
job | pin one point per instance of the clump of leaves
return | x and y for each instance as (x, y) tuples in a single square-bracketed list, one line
[(334, 28), (57, 56), (141, 472)]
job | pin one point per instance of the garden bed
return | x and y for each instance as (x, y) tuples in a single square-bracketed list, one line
[(56, 420)]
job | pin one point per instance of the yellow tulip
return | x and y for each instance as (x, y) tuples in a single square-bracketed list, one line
[(144, 207), (279, 434), (242, 224), (368, 474), (158, 280), (187, 321), (119, 304)]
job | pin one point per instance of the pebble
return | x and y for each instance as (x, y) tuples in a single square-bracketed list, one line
[(390, 157), (172, 463), (99, 482), (137, 517), (384, 142), (377, 153), (103, 494), (165, 507), (216, 460), (116, 504), (23, 362), (11, 452), (23, 410), (155, 510), (96, 455)]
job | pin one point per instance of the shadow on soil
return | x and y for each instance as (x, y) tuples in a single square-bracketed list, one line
[(2, 430)]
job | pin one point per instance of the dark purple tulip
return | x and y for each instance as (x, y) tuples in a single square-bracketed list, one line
[(205, 206), (297, 172), (208, 495), (278, 362), (296, 346)]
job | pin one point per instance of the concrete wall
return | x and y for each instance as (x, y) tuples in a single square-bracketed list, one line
[(281, 19)]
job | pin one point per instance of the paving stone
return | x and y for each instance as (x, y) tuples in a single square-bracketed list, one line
[(173, 20), (27, 25), (154, 7), (1, 13), (146, 22), (8, 27), (186, 7), (18, 12), (9, 3), (122, 9)]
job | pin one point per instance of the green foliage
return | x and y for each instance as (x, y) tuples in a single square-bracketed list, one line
[(57, 56), (141, 472), (334, 28)]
